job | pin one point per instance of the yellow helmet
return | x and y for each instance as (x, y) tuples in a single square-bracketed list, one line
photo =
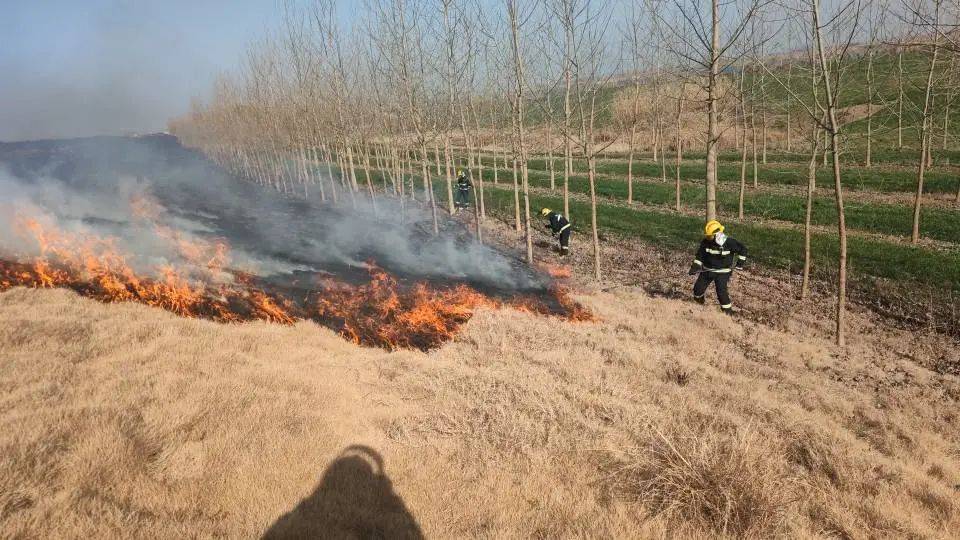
[(544, 212), (459, 172), (712, 227)]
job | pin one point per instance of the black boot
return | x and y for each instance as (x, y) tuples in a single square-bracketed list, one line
[(727, 311), (700, 300)]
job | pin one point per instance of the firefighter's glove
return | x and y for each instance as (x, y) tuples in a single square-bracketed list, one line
[(694, 269)]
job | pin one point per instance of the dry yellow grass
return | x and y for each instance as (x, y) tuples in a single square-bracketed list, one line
[(664, 419)]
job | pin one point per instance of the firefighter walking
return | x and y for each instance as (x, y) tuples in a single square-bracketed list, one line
[(463, 190), (716, 259), (559, 225)]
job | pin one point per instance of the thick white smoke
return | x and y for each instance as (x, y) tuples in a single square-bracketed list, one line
[(99, 187)]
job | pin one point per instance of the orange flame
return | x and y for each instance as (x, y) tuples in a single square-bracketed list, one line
[(380, 312)]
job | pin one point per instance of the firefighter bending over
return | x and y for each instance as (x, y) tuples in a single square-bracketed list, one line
[(463, 190), (716, 260), (559, 226)]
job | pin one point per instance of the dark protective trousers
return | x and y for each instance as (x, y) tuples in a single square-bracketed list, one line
[(720, 280), (463, 198), (565, 240)]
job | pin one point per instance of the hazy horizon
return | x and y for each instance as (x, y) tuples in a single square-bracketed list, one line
[(110, 67)]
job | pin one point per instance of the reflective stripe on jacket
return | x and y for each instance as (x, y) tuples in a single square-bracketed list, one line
[(558, 223), (712, 257)]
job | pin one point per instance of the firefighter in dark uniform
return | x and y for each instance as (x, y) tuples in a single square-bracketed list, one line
[(716, 260), (559, 226), (463, 190)]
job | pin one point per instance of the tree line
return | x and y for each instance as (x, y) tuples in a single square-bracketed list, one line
[(394, 99)]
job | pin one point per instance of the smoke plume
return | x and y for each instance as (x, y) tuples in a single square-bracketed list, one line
[(161, 203)]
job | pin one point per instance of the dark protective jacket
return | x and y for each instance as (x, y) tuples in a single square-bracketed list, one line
[(712, 257), (463, 183), (558, 223)]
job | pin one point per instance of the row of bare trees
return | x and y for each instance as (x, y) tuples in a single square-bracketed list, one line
[(393, 99), (410, 91)]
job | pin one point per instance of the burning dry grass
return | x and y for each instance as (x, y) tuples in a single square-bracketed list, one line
[(381, 311), (662, 419)]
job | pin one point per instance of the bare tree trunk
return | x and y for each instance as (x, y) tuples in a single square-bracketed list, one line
[(900, 98), (924, 137), (366, 172), (753, 129), (302, 169), (516, 195), (811, 189), (869, 104), (713, 129), (316, 162), (447, 159), (789, 130), (347, 180), (763, 112), (406, 165), (518, 108), (568, 82), (838, 187), (842, 228), (658, 128), (428, 186), (950, 95), (663, 153), (353, 173), (333, 185), (476, 217), (478, 138), (479, 190), (946, 123), (679, 143), (743, 148), (656, 139), (592, 171), (826, 147), (633, 137), (553, 172)]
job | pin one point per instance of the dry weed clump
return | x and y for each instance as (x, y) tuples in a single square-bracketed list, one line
[(677, 374), (729, 481)]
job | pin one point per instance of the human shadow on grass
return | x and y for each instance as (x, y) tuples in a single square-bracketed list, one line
[(354, 499)]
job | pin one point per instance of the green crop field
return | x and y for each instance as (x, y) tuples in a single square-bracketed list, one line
[(939, 224), (776, 248), (889, 179)]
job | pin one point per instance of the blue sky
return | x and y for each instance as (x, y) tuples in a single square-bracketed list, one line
[(84, 67)]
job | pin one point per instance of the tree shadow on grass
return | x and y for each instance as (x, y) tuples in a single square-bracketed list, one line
[(354, 499)]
